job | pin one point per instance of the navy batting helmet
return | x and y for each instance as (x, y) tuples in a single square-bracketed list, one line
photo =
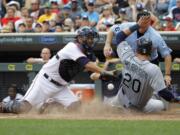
[(144, 46)]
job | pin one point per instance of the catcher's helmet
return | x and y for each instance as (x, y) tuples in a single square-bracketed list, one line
[(144, 46), (88, 32)]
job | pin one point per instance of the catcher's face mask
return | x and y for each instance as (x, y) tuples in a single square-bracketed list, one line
[(88, 37)]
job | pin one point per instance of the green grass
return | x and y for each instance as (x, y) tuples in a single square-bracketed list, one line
[(87, 127)]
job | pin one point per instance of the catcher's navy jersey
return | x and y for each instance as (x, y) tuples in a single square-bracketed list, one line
[(159, 44), (140, 78)]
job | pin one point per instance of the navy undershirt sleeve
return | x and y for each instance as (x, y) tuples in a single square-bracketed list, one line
[(121, 36), (82, 61), (166, 94)]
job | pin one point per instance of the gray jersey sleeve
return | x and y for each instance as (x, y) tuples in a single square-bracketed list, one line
[(157, 81), (118, 27), (159, 42), (163, 48), (124, 51)]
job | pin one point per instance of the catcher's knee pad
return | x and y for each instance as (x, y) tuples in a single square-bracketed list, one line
[(74, 106)]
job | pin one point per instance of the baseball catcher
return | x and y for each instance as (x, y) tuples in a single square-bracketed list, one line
[(52, 80)]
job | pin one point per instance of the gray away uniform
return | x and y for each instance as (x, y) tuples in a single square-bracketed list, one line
[(140, 80)]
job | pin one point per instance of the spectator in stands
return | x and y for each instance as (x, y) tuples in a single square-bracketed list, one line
[(44, 2), (38, 28), (122, 16), (16, 6), (77, 22), (91, 13), (66, 11), (52, 25), (54, 6), (148, 4), (159, 26), (60, 18), (47, 16), (45, 56), (5, 29), (10, 17), (12, 96), (175, 12), (161, 7), (75, 9), (99, 4), (29, 24), (169, 25), (24, 14), (58, 28), (118, 4), (131, 10), (107, 17), (85, 21), (102, 28), (21, 2), (122, 3), (21, 28), (11, 27), (68, 25), (177, 60), (35, 10)]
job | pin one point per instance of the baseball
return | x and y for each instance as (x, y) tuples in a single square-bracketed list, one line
[(110, 86)]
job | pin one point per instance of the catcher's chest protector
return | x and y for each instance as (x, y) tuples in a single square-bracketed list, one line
[(68, 69)]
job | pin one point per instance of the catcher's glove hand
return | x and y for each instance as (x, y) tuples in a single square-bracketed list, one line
[(109, 75)]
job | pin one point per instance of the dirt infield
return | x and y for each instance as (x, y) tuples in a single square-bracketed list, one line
[(94, 111)]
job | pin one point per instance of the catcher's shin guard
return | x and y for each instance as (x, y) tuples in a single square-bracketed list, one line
[(12, 107), (18, 107)]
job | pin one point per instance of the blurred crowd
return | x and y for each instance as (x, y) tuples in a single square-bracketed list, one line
[(69, 15)]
